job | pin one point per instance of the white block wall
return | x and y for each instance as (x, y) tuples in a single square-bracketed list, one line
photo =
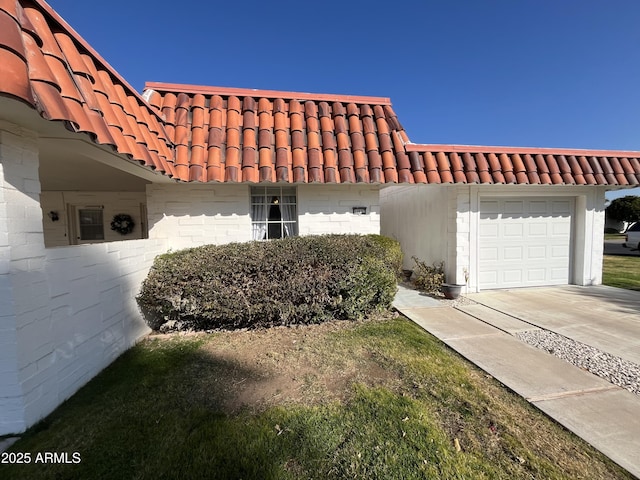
[(440, 222), (188, 215), (18, 169), (329, 209), (66, 312), (114, 203)]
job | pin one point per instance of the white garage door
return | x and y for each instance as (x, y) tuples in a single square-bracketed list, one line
[(524, 241)]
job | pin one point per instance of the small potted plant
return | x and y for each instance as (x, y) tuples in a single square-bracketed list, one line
[(407, 274), (453, 290)]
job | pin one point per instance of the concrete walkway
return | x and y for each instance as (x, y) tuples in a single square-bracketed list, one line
[(604, 415)]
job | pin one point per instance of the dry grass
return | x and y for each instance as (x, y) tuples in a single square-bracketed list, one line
[(375, 399)]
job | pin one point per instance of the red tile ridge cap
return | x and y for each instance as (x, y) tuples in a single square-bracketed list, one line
[(252, 92), (78, 38), (417, 147)]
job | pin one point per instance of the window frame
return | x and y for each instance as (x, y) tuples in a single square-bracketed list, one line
[(76, 233), (283, 196)]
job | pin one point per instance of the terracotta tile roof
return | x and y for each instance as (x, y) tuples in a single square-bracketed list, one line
[(516, 165), (195, 133), (47, 65), (242, 135)]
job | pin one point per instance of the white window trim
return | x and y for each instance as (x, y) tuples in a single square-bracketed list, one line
[(281, 192)]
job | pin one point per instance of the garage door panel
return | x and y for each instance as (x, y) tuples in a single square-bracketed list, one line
[(513, 230), (513, 208), (489, 207), (512, 276), (512, 253), (524, 242), (488, 254), (559, 274), (537, 229), (535, 275), (488, 231), (560, 252), (562, 207), (561, 229), (537, 252), (538, 208)]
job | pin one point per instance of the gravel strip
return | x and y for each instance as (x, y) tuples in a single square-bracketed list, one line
[(460, 301), (616, 370)]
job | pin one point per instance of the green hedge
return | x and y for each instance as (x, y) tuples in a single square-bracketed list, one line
[(296, 280)]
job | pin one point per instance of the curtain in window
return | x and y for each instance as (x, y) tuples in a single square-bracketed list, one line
[(288, 212), (259, 217)]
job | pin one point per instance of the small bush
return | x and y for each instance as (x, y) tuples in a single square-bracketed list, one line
[(428, 278), (296, 280)]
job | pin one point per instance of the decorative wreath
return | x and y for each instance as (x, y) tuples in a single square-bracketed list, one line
[(123, 224)]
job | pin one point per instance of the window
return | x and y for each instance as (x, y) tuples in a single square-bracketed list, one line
[(91, 226), (273, 212)]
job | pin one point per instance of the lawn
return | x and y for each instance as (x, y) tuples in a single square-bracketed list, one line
[(380, 399), (621, 272), (614, 236)]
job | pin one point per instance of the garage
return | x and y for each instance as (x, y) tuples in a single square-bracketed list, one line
[(524, 241)]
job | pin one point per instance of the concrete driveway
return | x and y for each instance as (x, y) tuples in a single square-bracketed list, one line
[(603, 414), (604, 317)]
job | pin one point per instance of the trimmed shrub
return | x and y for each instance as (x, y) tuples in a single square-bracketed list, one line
[(295, 280)]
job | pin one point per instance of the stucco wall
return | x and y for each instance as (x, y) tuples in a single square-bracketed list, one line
[(65, 312), (114, 203)]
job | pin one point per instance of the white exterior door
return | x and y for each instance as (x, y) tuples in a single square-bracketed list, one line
[(524, 242)]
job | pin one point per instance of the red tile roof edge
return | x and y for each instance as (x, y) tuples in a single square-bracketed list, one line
[(78, 38), (249, 92), (416, 147)]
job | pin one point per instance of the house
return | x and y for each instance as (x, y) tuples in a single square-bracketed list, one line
[(185, 165)]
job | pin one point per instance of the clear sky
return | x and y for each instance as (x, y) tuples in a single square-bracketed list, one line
[(538, 73)]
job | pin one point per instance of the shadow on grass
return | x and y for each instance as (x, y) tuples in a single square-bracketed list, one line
[(162, 410)]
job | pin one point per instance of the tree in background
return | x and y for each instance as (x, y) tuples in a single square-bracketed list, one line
[(625, 209)]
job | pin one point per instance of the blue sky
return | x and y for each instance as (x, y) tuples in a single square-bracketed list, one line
[(541, 73)]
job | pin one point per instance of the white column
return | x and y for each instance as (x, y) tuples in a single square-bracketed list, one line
[(24, 314)]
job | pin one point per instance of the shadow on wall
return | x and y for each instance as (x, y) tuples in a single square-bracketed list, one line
[(75, 315)]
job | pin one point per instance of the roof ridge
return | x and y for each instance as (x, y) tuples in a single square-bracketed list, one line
[(422, 147), (252, 92)]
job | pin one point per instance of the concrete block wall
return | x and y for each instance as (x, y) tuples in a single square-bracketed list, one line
[(459, 256), (93, 314), (191, 215), (187, 215), (66, 312), (56, 233), (22, 277), (329, 209)]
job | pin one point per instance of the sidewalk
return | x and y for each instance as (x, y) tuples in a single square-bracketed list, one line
[(604, 415)]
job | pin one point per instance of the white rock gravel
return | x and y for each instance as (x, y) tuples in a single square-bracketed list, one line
[(616, 370)]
